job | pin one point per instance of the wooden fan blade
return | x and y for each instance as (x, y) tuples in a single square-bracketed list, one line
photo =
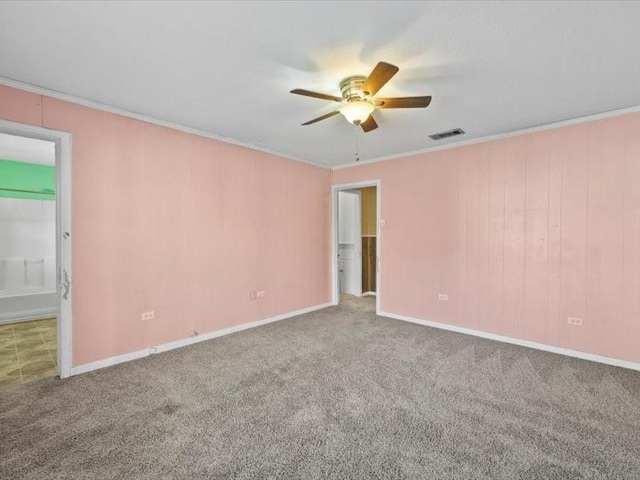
[(369, 124), (309, 93), (404, 102), (380, 75), (323, 117)]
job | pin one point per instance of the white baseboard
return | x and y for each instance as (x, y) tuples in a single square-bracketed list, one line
[(127, 357), (516, 341), (35, 314), (368, 294), (107, 362)]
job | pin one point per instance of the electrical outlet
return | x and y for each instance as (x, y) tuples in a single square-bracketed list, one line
[(148, 316), (252, 294), (261, 293), (574, 321), (443, 296)]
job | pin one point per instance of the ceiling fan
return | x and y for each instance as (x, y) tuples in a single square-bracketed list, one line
[(358, 102)]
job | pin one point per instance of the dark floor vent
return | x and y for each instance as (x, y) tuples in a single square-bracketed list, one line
[(447, 134)]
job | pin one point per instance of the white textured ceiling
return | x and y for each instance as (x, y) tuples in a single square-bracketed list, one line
[(227, 68)]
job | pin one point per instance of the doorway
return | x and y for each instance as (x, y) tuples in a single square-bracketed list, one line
[(356, 243), (35, 254)]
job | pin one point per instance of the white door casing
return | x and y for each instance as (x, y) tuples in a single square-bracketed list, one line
[(335, 277), (64, 281)]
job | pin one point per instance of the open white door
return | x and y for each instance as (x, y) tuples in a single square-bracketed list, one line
[(350, 241)]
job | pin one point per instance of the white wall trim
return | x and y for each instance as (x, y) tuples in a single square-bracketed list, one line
[(497, 136), (201, 133), (64, 271), (27, 315), (368, 294), (127, 357), (335, 285), (516, 341), (108, 362), (144, 118)]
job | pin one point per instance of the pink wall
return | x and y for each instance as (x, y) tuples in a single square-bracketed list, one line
[(181, 225), (521, 233)]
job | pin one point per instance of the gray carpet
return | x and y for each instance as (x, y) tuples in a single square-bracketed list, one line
[(336, 394)]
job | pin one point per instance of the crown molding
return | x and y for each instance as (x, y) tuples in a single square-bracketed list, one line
[(201, 133), (145, 118), (498, 136)]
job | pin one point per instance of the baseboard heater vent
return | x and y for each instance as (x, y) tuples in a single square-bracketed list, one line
[(447, 134)]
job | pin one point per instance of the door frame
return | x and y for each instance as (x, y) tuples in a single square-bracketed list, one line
[(335, 284), (64, 279)]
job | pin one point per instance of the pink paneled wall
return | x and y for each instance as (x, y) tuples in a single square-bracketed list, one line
[(521, 233), (181, 225)]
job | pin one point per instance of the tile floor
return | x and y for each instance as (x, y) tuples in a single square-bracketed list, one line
[(28, 351)]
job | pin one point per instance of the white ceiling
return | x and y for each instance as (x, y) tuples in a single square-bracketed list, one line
[(227, 68), (28, 150)]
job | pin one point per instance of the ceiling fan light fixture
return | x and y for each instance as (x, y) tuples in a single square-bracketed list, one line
[(357, 112), (358, 98)]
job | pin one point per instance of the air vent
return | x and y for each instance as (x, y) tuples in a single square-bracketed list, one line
[(447, 134)]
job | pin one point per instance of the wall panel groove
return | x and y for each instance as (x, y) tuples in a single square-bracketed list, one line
[(533, 229)]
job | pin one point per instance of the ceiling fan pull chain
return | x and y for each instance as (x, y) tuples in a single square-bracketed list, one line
[(355, 153)]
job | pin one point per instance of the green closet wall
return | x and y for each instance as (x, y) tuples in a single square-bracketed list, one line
[(27, 180)]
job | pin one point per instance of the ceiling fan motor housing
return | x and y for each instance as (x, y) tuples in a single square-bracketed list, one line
[(352, 88)]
